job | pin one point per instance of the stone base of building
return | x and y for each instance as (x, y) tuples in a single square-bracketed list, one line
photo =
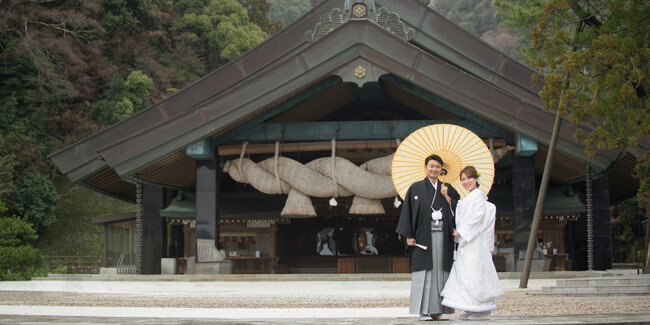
[(222, 267)]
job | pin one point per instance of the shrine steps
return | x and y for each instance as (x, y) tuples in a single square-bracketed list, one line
[(602, 286)]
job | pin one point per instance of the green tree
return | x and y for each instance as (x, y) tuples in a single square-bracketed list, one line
[(18, 259), (131, 15), (35, 198), (628, 228), (221, 32), (7, 165), (520, 16), (288, 11), (124, 98), (189, 6), (140, 35), (257, 14), (77, 206), (595, 58)]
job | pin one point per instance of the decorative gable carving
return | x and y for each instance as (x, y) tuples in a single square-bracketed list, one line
[(328, 23), (392, 22), (316, 3), (361, 10)]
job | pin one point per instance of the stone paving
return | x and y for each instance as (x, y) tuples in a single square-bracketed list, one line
[(510, 320), (355, 300)]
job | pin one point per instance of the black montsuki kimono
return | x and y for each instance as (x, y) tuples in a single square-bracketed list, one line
[(415, 222)]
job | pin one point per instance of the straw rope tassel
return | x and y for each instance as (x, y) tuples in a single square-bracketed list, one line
[(275, 168), (241, 158), (336, 187)]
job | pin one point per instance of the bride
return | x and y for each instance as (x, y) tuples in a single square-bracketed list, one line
[(473, 284)]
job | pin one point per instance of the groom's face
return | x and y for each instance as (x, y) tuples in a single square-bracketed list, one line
[(433, 169)]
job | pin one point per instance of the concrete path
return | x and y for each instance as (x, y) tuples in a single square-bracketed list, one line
[(107, 315), (43, 314)]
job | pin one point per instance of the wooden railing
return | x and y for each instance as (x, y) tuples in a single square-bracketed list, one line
[(75, 264)]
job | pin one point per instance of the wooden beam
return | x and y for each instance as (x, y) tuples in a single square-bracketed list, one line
[(229, 150), (346, 131)]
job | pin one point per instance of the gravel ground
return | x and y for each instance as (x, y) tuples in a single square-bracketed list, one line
[(516, 302)]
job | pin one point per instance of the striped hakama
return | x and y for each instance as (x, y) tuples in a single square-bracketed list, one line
[(426, 285)]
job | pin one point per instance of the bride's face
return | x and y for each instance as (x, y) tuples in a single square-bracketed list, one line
[(468, 183)]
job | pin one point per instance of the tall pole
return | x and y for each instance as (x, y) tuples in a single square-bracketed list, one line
[(539, 206), (590, 221)]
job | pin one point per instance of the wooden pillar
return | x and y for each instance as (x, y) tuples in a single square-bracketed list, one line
[(138, 227), (577, 237), (602, 233), (105, 245), (153, 201), (207, 208), (590, 220), (523, 197), (273, 245)]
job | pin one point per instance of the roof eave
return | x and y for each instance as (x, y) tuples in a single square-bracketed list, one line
[(214, 103), (334, 55)]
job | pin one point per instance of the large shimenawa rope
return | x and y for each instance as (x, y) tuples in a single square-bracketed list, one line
[(369, 182), (363, 205)]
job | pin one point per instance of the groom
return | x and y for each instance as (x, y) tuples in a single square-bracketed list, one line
[(427, 219)]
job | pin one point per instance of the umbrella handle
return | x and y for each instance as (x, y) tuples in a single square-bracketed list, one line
[(443, 172)]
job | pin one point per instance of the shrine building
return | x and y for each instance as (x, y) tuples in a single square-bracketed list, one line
[(278, 161)]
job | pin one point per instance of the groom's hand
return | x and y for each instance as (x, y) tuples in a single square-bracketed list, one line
[(443, 190)]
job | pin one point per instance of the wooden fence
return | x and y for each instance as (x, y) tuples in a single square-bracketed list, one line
[(75, 264)]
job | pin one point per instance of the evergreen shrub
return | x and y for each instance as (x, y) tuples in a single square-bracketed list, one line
[(18, 259)]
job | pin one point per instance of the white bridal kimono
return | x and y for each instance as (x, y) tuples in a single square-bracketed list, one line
[(473, 284)]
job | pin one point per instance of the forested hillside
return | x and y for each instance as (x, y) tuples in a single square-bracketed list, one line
[(479, 18), (70, 68), (287, 11)]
